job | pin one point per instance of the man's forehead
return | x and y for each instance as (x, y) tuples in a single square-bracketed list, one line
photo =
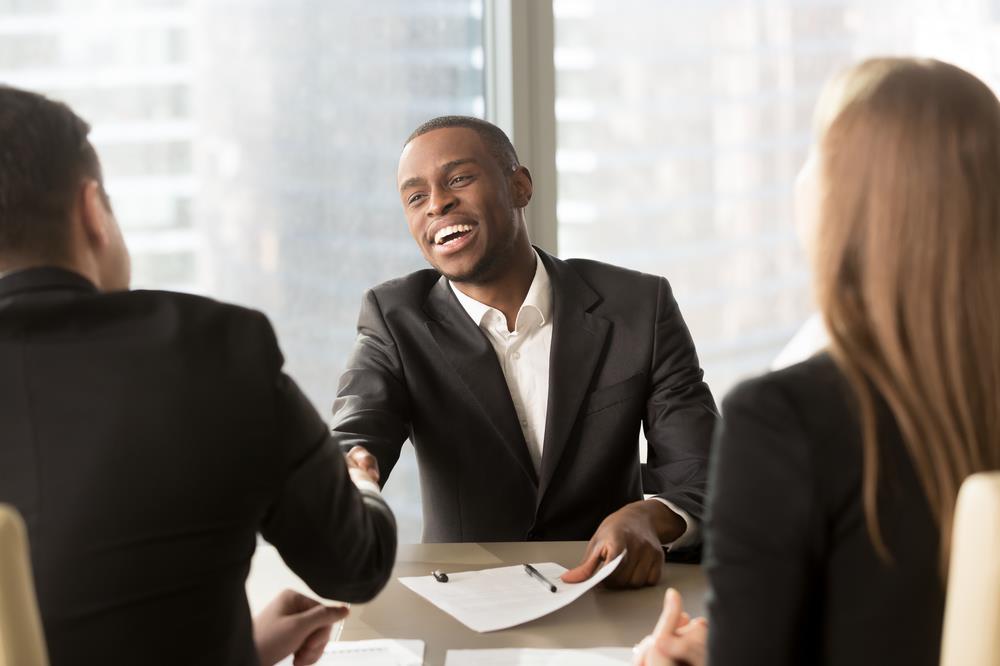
[(441, 147)]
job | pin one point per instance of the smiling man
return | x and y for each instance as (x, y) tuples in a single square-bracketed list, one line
[(522, 380)]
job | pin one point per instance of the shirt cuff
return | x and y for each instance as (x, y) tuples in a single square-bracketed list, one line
[(691, 532), (372, 487)]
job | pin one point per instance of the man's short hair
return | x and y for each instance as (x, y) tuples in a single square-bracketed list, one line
[(496, 141), (44, 154)]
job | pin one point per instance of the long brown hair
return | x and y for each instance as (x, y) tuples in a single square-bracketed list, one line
[(907, 267)]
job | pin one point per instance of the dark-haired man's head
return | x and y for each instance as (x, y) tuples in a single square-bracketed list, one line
[(53, 207), (463, 193)]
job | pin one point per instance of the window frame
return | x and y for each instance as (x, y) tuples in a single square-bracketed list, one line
[(520, 98)]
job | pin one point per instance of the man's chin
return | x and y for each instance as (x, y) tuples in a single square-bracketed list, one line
[(463, 277), (478, 273)]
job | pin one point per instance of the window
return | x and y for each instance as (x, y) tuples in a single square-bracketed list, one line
[(250, 148), (682, 125)]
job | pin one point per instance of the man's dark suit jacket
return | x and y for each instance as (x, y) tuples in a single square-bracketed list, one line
[(147, 437), (793, 574), (621, 356)]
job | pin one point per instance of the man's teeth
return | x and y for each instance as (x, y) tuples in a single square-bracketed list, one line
[(448, 231)]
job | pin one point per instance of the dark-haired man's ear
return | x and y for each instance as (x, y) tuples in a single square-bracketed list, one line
[(521, 186), (111, 267), (93, 213)]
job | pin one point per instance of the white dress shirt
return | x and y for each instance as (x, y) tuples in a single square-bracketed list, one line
[(809, 340), (524, 358)]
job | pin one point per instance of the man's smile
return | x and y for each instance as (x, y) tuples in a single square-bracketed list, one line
[(451, 233), (453, 238)]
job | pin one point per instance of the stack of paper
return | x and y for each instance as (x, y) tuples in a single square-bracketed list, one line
[(534, 657), (383, 652), (492, 599)]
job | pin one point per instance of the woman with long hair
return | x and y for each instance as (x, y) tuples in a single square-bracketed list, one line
[(834, 481)]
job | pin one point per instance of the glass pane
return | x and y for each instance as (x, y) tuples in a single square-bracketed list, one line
[(250, 147), (682, 125)]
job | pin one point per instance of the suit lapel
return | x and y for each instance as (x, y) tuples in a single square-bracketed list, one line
[(578, 339), (473, 358)]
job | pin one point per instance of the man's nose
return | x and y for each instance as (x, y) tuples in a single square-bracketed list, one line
[(442, 201)]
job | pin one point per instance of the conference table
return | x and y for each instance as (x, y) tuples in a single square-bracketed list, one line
[(600, 618)]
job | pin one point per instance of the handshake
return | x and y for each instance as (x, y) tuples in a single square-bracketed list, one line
[(362, 466)]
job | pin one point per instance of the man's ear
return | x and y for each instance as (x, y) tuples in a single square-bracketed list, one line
[(93, 212), (521, 186)]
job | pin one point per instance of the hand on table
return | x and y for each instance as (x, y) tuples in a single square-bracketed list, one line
[(640, 527), (294, 623), (676, 639), (362, 465)]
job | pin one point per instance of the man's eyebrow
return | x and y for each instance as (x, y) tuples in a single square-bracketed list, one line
[(447, 166), (411, 182)]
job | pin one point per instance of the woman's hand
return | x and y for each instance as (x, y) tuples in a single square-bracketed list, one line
[(294, 623), (676, 639)]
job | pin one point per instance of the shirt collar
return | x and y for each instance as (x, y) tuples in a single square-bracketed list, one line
[(539, 297)]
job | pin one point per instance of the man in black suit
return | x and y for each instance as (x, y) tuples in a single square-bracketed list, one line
[(521, 379), (147, 437)]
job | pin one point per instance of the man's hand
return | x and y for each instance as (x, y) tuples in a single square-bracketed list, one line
[(294, 623), (677, 639), (641, 527), (360, 460)]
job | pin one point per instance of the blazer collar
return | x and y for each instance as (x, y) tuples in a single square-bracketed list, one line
[(44, 278)]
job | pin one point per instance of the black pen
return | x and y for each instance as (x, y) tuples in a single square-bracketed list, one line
[(536, 574)]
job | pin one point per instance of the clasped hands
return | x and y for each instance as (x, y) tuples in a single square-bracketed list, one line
[(362, 465)]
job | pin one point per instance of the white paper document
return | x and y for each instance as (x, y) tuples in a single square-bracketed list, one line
[(381, 652), (492, 599), (534, 657)]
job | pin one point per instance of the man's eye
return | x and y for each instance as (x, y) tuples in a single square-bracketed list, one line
[(459, 180), (414, 198)]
